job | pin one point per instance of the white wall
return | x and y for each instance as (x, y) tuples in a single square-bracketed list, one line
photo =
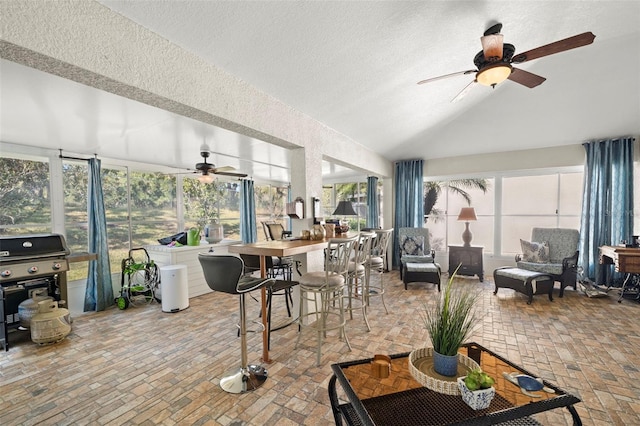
[(469, 165)]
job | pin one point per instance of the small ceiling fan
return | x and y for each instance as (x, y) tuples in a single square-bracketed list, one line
[(207, 170), (494, 61)]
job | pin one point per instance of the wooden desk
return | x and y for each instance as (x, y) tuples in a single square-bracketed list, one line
[(277, 248), (625, 259)]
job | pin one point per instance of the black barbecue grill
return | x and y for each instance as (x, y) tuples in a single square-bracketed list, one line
[(28, 264)]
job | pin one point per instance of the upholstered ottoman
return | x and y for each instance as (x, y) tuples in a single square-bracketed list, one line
[(523, 281), (421, 272)]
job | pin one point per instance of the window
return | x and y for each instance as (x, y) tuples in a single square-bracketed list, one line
[(25, 204), (547, 201), (74, 182), (270, 206), (524, 201), (136, 217), (153, 207), (230, 209), (356, 193), (443, 201)]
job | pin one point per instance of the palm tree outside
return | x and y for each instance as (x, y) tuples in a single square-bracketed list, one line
[(433, 190)]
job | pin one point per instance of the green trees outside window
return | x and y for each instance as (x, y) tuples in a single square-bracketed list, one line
[(25, 203)]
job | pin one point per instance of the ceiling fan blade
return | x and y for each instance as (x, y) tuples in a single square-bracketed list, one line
[(223, 169), (231, 174), (556, 47), (429, 80), (464, 91), (526, 78)]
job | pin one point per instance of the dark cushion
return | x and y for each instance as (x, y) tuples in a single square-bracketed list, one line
[(412, 245)]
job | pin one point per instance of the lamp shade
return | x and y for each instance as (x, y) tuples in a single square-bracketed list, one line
[(206, 178), (494, 74), (467, 214), (492, 47), (345, 208)]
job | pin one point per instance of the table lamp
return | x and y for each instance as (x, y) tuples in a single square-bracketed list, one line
[(345, 208), (467, 214)]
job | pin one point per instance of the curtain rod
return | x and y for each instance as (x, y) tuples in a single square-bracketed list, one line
[(65, 157)]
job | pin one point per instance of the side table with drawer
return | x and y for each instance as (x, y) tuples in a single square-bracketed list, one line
[(469, 259)]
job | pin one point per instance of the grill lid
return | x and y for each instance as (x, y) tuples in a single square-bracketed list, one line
[(32, 246)]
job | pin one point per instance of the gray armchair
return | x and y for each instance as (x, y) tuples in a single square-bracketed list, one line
[(414, 247), (563, 255)]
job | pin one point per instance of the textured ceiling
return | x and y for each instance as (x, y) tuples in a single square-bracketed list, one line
[(353, 65)]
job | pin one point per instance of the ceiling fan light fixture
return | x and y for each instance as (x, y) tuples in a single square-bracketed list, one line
[(494, 74), (492, 47), (206, 178)]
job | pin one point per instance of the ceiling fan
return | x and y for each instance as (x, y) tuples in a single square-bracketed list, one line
[(494, 61), (207, 170)]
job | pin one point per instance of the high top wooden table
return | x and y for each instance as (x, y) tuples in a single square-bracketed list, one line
[(279, 248)]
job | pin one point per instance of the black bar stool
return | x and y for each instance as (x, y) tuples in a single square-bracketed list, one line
[(225, 274)]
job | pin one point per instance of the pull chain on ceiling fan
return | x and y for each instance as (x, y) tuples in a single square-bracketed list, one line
[(494, 62)]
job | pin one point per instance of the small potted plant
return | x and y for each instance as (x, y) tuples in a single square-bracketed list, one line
[(477, 389), (450, 322)]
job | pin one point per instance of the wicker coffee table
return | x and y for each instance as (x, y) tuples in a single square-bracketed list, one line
[(400, 400)]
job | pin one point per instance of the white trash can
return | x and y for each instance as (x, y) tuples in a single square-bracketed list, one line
[(174, 288)]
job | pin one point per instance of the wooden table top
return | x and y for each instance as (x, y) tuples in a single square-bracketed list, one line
[(280, 247), (625, 259), (627, 251)]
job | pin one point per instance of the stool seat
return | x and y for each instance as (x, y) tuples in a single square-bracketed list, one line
[(246, 284), (321, 279), (375, 262), (356, 268)]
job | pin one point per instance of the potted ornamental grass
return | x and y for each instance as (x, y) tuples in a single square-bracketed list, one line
[(450, 323)]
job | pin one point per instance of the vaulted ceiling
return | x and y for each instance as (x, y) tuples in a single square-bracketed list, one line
[(353, 66)]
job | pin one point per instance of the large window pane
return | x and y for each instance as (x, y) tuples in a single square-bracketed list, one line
[(153, 207), (202, 202), (327, 203), (230, 210), (442, 204), (515, 228), (530, 195), (116, 206), (356, 194), (153, 197), (479, 194), (270, 206), (74, 181), (25, 205), (570, 200)]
